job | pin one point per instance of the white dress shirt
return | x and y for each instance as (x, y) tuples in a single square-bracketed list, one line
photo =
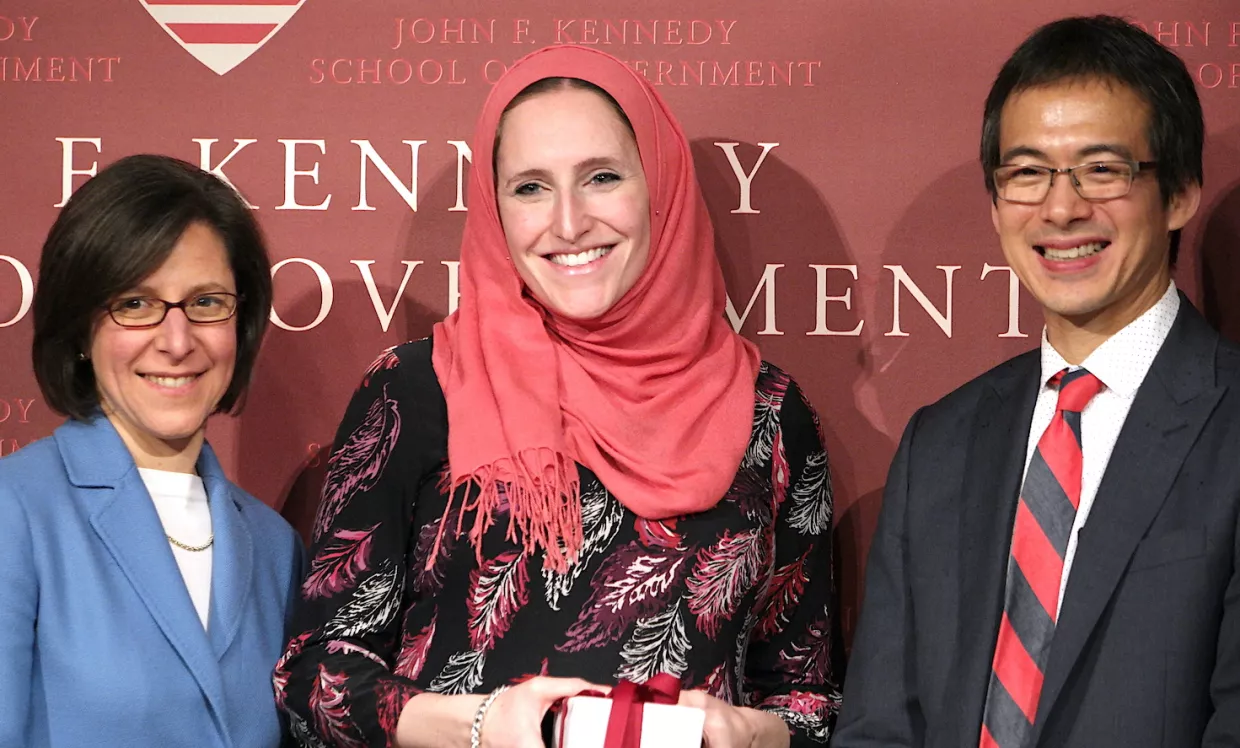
[(1121, 363), (181, 501)]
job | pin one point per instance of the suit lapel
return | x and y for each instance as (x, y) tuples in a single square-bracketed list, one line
[(1170, 409), (124, 517), (130, 529), (232, 563), (993, 471)]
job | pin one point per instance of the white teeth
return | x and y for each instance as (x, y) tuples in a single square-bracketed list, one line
[(171, 382), (580, 258), (1085, 250)]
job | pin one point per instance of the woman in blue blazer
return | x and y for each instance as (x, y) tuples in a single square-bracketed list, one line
[(143, 596)]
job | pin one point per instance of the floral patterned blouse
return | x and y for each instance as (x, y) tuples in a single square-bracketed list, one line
[(737, 600)]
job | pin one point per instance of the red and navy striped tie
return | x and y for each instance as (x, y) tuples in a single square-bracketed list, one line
[(1045, 513)]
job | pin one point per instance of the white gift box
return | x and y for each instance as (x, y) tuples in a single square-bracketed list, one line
[(582, 723)]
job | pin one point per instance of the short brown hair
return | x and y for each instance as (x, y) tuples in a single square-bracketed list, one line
[(118, 228)]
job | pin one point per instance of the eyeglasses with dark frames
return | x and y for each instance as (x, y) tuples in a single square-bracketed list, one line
[(136, 312), (1028, 184)]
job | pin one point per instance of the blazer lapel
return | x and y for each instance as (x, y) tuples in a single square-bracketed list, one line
[(1170, 409), (124, 518), (232, 564), (993, 472)]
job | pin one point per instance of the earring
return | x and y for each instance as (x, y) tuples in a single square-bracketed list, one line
[(83, 357)]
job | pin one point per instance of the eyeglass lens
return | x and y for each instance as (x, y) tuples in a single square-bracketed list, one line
[(1095, 181), (144, 310)]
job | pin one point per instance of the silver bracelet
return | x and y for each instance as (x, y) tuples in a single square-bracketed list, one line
[(475, 730)]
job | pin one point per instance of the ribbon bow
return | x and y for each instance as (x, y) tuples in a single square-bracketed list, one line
[(624, 725)]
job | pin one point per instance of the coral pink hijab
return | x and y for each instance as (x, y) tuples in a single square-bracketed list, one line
[(655, 397)]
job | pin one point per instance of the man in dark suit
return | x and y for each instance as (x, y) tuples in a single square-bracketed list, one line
[(1056, 559)]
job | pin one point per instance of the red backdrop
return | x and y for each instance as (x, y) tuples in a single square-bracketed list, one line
[(836, 144)]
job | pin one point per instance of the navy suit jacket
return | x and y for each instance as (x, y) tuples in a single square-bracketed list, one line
[(1147, 648), (100, 644)]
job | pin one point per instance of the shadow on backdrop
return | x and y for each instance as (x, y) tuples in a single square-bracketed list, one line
[(915, 362), (296, 402), (796, 228), (1218, 252), (303, 387)]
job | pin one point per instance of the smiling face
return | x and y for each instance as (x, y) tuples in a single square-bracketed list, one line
[(1091, 265), (158, 385), (573, 201)]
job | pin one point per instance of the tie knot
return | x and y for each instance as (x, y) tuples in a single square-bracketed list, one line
[(1076, 389)]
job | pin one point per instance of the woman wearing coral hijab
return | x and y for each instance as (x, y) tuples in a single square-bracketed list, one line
[(584, 475)]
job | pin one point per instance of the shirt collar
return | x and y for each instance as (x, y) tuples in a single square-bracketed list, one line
[(1123, 360)]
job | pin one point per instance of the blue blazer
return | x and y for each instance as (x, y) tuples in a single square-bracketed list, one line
[(100, 644)]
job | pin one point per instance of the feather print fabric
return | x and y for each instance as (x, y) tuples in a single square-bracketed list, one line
[(736, 601)]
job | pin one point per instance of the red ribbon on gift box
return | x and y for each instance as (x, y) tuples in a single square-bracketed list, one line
[(624, 723)]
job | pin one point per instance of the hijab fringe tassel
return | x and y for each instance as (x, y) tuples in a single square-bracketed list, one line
[(543, 510)]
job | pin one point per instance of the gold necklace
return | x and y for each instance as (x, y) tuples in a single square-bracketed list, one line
[(191, 548)]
